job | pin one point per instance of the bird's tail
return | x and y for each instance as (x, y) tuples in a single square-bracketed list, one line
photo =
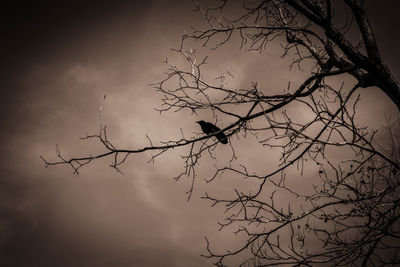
[(222, 138)]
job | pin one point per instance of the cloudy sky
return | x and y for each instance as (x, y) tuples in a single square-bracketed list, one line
[(58, 60)]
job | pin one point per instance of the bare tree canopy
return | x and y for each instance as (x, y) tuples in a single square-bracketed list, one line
[(349, 215)]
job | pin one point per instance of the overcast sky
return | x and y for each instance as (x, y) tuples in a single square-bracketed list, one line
[(58, 60)]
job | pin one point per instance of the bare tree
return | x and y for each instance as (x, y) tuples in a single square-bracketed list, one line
[(351, 215)]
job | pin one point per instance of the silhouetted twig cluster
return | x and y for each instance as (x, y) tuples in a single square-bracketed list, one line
[(351, 215)]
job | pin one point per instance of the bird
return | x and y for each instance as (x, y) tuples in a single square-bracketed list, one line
[(209, 128)]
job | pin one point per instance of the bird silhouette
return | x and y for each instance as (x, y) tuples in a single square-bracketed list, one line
[(209, 128)]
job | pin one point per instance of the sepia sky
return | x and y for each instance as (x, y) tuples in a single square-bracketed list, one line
[(58, 60)]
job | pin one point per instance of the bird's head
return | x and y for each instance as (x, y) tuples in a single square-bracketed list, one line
[(200, 122)]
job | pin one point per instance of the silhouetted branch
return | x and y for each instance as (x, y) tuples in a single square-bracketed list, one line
[(349, 213)]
